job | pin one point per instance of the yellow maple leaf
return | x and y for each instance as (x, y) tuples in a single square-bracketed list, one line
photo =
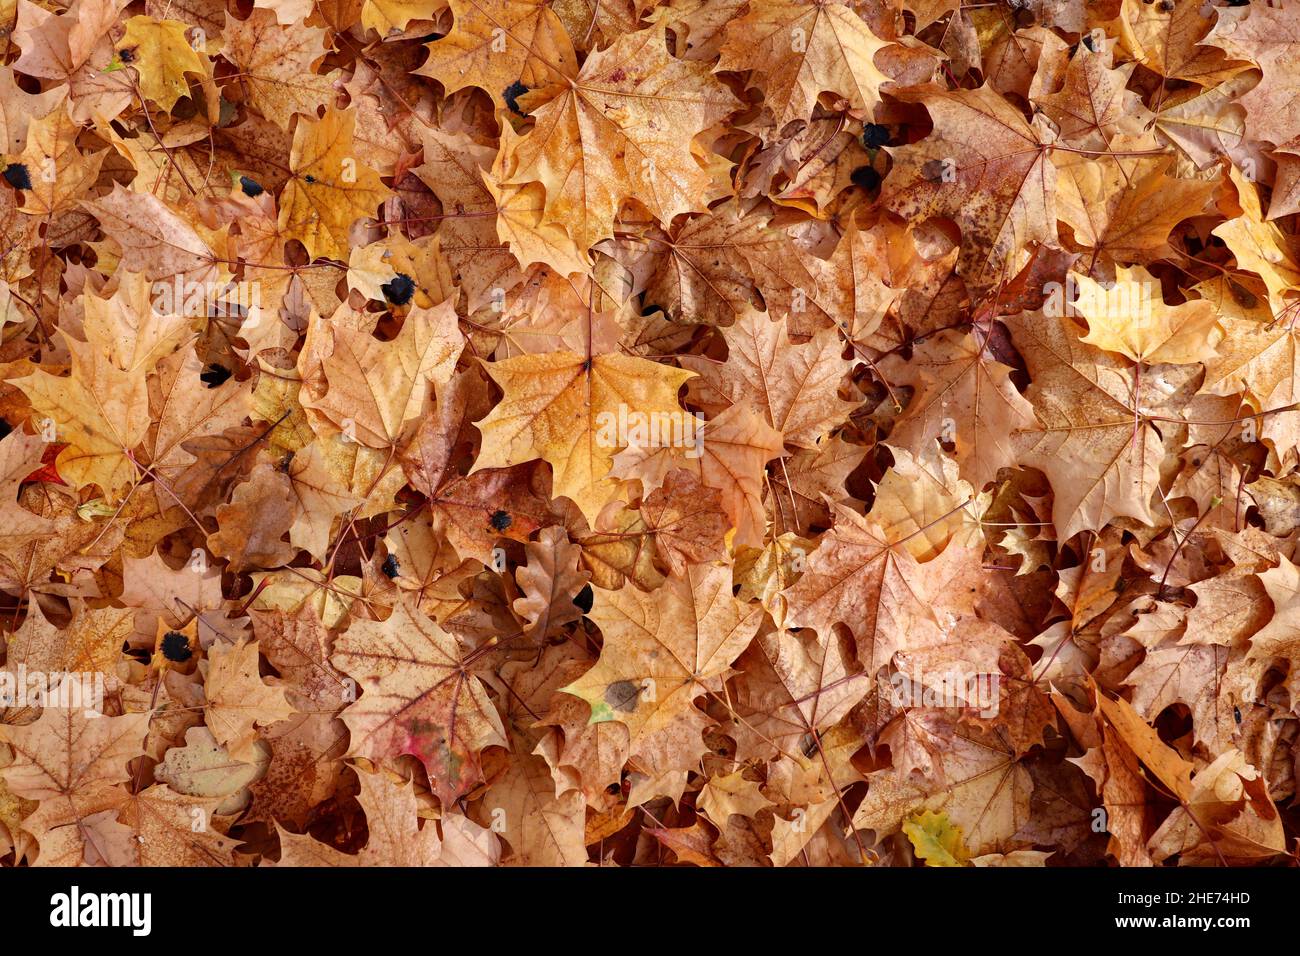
[(935, 839), (1131, 318), (161, 54), (565, 408), (331, 188), (623, 129)]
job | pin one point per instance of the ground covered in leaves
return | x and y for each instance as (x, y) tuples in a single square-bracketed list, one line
[(708, 432)]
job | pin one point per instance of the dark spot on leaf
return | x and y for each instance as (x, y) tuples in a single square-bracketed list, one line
[(933, 171), (500, 520), (251, 187), (214, 375), (866, 177), (511, 95), (584, 598), (623, 695), (875, 135), (309, 178), (1236, 713), (5, 428), (127, 55), (391, 567), (399, 289), (176, 647), (17, 176)]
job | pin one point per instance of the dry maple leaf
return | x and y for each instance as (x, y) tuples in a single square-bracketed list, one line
[(418, 696), (803, 50), (796, 386), (496, 43), (661, 651), (623, 129), (331, 187), (566, 409), (984, 167), (1093, 439), (375, 390)]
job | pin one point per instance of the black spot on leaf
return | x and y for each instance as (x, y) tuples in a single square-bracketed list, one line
[(251, 187), (17, 176), (399, 289), (391, 568), (214, 375), (866, 177), (584, 599), (176, 647), (511, 95), (500, 520), (875, 135)]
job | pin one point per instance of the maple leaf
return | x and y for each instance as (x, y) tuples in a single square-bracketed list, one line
[(661, 651), (1270, 39), (1132, 320), (791, 686), (161, 55), (961, 395), (74, 48), (1124, 206), (987, 169), (494, 44), (102, 410), (1095, 104), (733, 449), (70, 760), (276, 65), (796, 386), (330, 187), (859, 578), (418, 697), (803, 50), (1093, 440), (51, 145), (237, 698), (623, 129), (1167, 38), (731, 794), (375, 390), (565, 409)]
